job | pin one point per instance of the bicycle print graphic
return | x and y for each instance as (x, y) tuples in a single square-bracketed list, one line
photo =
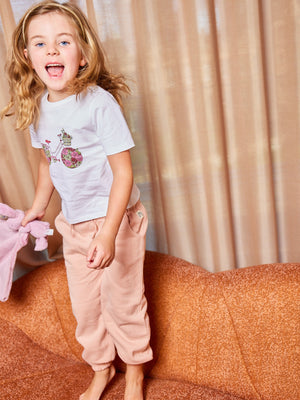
[(71, 158)]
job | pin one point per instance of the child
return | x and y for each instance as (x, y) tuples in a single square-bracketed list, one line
[(61, 89)]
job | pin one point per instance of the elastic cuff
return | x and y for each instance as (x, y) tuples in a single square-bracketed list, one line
[(100, 367)]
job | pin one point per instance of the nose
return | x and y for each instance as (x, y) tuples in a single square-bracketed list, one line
[(52, 50)]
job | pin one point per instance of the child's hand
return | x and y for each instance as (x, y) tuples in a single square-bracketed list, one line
[(101, 251), (31, 215)]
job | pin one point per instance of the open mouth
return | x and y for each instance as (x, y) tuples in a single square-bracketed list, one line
[(55, 70)]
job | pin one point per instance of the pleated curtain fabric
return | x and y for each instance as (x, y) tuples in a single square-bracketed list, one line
[(215, 116)]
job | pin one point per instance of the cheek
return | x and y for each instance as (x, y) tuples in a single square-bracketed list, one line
[(75, 64), (36, 63)]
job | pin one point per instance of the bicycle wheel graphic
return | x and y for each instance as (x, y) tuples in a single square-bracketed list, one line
[(71, 158)]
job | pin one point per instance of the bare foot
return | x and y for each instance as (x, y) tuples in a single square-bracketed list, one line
[(100, 380), (134, 382)]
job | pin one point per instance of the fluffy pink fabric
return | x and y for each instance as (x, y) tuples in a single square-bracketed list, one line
[(14, 236)]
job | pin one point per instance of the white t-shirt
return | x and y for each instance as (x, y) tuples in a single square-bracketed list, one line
[(77, 134)]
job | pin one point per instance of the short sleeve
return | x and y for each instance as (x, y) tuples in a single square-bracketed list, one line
[(35, 142), (112, 128)]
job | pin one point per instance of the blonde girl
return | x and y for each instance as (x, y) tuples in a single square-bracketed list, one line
[(62, 90)]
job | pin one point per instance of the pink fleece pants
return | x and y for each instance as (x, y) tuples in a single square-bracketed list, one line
[(109, 304)]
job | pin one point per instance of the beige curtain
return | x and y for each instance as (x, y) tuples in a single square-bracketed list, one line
[(215, 115)]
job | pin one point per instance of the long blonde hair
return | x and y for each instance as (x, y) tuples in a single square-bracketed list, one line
[(26, 88)]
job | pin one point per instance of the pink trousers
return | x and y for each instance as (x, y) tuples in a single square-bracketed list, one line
[(109, 304)]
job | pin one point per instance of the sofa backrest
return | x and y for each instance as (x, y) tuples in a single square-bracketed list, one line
[(236, 331)]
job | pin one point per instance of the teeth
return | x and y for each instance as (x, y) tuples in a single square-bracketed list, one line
[(54, 65)]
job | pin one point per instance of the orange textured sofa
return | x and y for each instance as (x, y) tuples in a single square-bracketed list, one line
[(223, 336)]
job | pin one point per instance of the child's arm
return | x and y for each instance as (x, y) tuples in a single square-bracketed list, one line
[(43, 192), (102, 249)]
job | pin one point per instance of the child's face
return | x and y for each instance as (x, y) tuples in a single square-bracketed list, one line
[(54, 52)]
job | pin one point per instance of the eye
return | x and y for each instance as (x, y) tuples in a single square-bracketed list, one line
[(39, 44), (64, 43)]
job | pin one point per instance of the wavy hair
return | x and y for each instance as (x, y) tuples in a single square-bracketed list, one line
[(26, 88)]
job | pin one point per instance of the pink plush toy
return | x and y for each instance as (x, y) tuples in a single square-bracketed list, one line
[(14, 236)]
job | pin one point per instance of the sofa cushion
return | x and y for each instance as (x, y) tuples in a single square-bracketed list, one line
[(29, 372), (39, 305)]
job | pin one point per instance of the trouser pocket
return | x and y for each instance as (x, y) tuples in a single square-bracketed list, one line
[(137, 218)]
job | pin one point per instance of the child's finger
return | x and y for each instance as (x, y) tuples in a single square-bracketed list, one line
[(95, 258), (26, 219), (91, 252)]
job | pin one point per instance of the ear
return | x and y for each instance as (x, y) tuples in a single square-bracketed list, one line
[(82, 62), (26, 54)]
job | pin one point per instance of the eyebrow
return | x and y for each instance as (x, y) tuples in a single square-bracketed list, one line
[(42, 37)]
